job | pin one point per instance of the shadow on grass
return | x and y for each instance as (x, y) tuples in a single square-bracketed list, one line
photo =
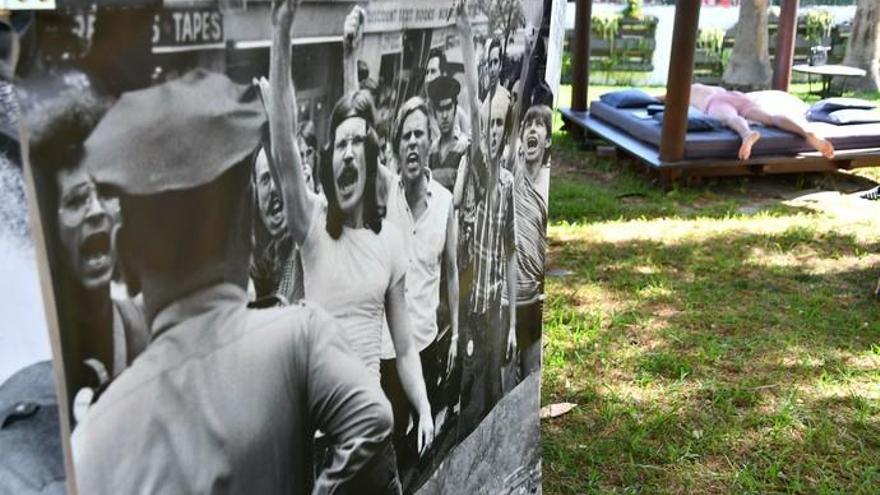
[(715, 364)]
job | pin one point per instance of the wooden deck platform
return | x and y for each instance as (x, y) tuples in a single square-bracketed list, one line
[(649, 155)]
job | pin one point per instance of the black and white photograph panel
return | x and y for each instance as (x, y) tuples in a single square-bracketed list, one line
[(295, 246), (30, 434)]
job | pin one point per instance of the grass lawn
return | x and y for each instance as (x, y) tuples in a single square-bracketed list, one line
[(717, 338)]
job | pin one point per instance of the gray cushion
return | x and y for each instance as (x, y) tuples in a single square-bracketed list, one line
[(847, 116), (697, 121), (628, 98), (838, 103)]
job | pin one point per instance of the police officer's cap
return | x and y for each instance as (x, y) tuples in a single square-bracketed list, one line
[(442, 88), (175, 136)]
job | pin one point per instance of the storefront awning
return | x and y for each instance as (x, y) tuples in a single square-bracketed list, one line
[(314, 23)]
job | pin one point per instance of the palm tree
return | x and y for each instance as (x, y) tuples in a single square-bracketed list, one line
[(863, 49), (749, 65)]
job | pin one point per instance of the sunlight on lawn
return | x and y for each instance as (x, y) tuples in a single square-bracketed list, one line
[(717, 339), (671, 231)]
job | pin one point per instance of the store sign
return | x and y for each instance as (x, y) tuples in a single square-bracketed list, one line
[(187, 27), (389, 16)]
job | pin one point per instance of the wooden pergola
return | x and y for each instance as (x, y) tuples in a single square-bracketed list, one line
[(669, 159)]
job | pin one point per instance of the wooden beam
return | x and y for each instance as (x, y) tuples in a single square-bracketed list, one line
[(678, 82), (785, 41), (580, 63)]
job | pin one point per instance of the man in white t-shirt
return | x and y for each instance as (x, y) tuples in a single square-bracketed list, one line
[(422, 209)]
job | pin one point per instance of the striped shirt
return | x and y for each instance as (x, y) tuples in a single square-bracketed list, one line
[(445, 169), (531, 220), (494, 241)]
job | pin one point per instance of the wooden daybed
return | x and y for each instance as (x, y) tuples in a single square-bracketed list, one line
[(669, 149)]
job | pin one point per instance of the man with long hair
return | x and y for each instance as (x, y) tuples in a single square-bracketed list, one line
[(353, 262)]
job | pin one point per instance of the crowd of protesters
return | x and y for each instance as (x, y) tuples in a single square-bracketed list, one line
[(245, 305)]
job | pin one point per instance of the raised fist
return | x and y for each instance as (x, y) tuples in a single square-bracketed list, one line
[(462, 22), (353, 29), (284, 10)]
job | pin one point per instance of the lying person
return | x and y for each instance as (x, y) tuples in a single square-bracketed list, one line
[(735, 109)]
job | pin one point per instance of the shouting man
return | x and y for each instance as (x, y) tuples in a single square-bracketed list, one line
[(422, 209)]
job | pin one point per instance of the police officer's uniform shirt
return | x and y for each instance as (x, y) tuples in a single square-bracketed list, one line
[(227, 400), (31, 459)]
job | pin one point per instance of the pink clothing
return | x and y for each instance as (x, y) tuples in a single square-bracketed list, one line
[(727, 102)]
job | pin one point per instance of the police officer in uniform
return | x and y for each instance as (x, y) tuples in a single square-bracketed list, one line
[(225, 399), (31, 456)]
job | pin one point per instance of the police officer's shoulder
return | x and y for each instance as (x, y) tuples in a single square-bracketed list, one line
[(278, 314), (297, 318), (30, 435)]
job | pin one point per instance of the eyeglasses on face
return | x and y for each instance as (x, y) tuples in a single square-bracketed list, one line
[(75, 204)]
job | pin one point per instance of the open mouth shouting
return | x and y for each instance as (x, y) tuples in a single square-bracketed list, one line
[(531, 142), (413, 161), (275, 219), (494, 145), (276, 206), (347, 180), (533, 147), (95, 254)]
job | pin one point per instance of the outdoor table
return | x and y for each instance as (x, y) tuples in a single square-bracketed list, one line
[(828, 72)]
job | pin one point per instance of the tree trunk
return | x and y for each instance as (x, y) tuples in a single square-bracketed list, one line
[(863, 50), (749, 66)]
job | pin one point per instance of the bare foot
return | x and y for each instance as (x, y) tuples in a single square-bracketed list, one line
[(821, 145), (745, 149)]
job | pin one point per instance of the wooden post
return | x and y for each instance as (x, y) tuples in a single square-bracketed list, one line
[(678, 82), (785, 41), (580, 63)]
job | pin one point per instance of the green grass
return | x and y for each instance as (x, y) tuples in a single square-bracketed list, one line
[(715, 339)]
